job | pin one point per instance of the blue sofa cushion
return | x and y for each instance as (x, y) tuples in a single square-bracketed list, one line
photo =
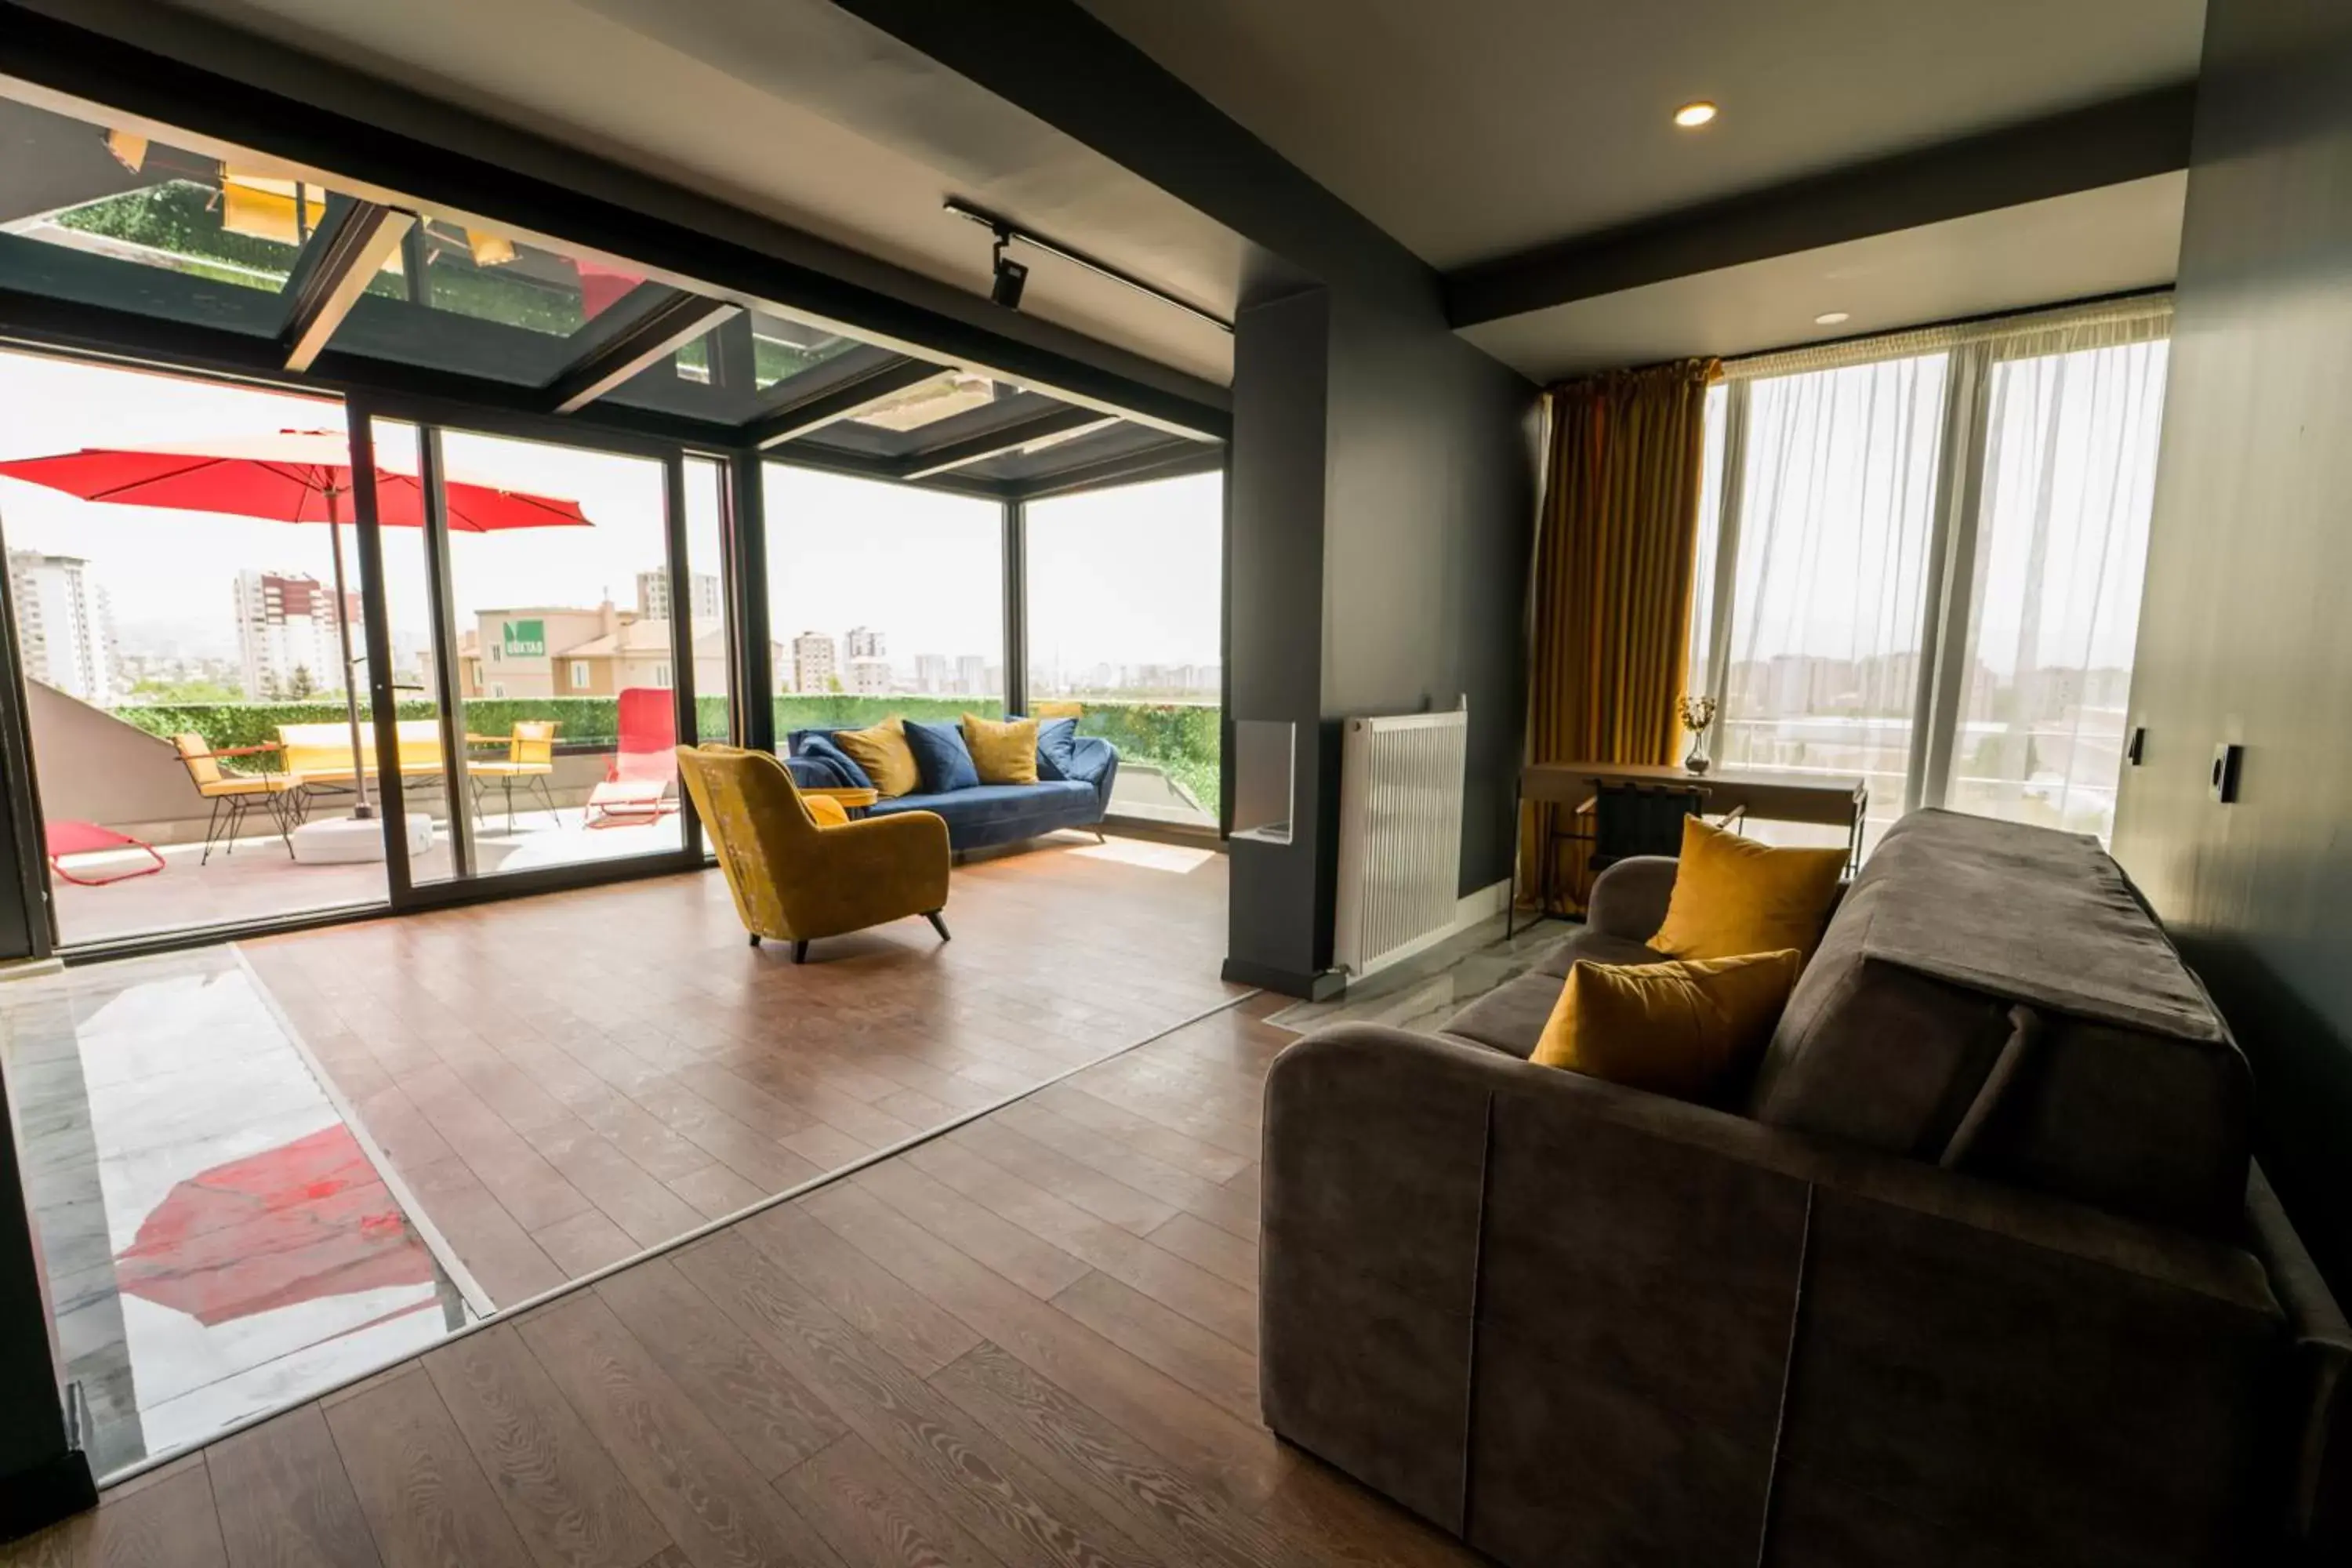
[(1057, 739), (1000, 813), (816, 746), (942, 757)]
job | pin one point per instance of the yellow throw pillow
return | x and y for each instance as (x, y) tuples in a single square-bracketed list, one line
[(1689, 1029), (1057, 709), (1002, 751), (1734, 896), (825, 811), (882, 751)]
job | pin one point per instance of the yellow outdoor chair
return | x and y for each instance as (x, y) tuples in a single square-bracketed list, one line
[(798, 868), (232, 796), (530, 762)]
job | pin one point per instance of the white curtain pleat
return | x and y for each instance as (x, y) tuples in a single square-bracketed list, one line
[(2104, 323)]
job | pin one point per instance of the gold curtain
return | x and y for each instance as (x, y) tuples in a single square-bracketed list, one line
[(1616, 540)]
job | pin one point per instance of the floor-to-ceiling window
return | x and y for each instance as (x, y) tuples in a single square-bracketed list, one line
[(1126, 589), (882, 600), (1921, 563), (179, 614)]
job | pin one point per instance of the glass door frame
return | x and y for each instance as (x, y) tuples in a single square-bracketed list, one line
[(431, 419)]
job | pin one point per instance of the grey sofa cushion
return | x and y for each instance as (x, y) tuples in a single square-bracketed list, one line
[(1511, 1018), (2134, 1099)]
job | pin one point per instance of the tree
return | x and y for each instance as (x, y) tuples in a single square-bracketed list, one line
[(300, 684)]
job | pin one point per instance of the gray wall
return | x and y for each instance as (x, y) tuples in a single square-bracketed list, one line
[(2246, 635)]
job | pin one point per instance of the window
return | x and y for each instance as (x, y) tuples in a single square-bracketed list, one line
[(1126, 589), (661, 675), (885, 600), (580, 675), (1930, 563)]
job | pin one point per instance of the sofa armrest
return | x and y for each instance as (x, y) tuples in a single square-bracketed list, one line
[(1471, 1265), (1629, 898), (1094, 760)]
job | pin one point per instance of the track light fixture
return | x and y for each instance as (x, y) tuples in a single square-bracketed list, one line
[(1010, 275)]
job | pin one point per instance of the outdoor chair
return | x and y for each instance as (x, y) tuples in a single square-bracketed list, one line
[(798, 868), (644, 770), (234, 796), (530, 763)]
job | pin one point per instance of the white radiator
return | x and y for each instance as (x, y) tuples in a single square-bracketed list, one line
[(1400, 835)]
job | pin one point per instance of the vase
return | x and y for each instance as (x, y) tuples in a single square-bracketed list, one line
[(1696, 762)]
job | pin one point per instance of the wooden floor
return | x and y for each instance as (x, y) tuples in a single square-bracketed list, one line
[(564, 1081), (1029, 1341)]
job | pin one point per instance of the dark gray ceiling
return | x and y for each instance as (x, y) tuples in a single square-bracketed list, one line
[(1478, 128)]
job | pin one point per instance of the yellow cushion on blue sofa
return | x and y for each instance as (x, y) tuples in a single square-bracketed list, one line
[(1004, 751), (882, 751)]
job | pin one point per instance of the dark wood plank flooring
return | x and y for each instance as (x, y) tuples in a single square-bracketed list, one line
[(1031, 1341), (564, 1081)]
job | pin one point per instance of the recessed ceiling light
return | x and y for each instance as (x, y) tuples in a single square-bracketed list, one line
[(1691, 115), (1832, 319)]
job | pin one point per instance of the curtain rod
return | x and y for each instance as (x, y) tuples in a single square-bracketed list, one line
[(2135, 316)]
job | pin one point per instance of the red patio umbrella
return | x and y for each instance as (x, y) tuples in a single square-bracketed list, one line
[(288, 475)]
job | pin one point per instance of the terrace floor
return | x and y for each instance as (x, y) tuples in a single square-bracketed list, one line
[(254, 878), (1031, 1341), (523, 1092)]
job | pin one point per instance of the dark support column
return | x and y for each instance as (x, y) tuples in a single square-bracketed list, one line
[(681, 628), (746, 552), (449, 672), (1016, 607), (391, 797)]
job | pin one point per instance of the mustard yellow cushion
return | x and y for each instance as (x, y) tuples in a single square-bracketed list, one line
[(826, 810), (1689, 1029), (1003, 750), (1734, 896), (882, 751), (1057, 709)]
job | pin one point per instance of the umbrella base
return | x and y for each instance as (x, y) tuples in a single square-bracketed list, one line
[(348, 840)]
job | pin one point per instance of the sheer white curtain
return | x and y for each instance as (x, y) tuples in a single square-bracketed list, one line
[(1929, 564), (1835, 523), (2060, 545)]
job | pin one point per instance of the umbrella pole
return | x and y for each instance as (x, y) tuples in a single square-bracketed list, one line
[(361, 809)]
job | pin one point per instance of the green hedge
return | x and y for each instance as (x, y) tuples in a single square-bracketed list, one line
[(1182, 738)]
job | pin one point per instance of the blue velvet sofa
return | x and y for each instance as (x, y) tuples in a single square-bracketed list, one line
[(1074, 794)]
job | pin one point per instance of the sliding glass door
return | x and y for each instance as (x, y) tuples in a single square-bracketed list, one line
[(1923, 569)]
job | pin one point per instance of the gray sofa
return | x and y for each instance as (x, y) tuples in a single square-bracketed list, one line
[(1977, 1272)]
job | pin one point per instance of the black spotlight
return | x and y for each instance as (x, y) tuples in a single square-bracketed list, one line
[(1011, 277)]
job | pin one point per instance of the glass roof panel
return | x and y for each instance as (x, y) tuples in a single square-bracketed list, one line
[(951, 391), (481, 273), (782, 348), (109, 217)]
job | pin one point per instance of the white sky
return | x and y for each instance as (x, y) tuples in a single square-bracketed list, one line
[(1130, 575)]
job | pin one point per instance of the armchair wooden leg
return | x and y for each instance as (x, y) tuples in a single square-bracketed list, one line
[(938, 924), (755, 939), (800, 953)]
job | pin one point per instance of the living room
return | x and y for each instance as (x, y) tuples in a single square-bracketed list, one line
[(1142, 784)]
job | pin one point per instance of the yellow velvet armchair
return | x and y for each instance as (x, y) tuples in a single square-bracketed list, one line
[(799, 868)]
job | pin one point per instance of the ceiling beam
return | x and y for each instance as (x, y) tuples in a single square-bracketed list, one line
[(2106, 144), (352, 244), (1166, 461), (951, 454), (837, 401), (656, 335)]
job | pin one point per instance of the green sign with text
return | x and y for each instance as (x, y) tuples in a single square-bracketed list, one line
[(523, 639)]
